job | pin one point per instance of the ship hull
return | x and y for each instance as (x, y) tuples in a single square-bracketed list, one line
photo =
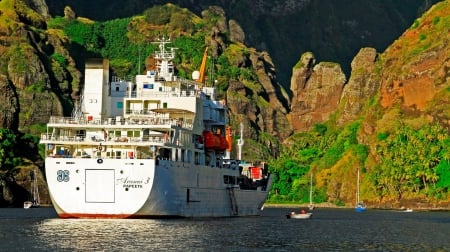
[(146, 188)]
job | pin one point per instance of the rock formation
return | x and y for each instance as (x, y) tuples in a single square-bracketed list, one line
[(316, 92), (9, 102), (362, 85)]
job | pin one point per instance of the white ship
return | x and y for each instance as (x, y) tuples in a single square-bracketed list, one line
[(155, 147)]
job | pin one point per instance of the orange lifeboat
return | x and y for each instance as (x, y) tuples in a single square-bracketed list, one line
[(215, 141), (223, 143), (211, 141)]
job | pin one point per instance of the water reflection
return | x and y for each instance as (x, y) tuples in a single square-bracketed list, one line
[(111, 235)]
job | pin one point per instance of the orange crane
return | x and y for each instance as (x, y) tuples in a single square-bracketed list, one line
[(201, 79)]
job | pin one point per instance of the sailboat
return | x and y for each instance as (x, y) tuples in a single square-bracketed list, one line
[(360, 206), (35, 201), (303, 214), (311, 205)]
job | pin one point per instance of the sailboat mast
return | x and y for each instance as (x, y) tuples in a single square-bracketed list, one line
[(35, 189), (357, 188), (310, 190)]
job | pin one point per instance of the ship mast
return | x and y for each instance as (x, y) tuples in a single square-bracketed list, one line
[(164, 59), (240, 142)]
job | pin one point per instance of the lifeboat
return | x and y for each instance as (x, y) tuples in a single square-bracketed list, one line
[(215, 141), (211, 141), (223, 143)]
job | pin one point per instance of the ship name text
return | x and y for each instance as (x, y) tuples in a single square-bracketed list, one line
[(133, 183)]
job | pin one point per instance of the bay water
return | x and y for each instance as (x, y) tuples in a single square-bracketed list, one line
[(39, 229)]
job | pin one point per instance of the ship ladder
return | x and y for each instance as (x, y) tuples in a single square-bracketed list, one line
[(233, 204)]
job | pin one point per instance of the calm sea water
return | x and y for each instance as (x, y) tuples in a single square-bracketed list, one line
[(328, 230)]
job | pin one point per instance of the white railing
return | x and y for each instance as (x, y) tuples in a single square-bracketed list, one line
[(155, 120)]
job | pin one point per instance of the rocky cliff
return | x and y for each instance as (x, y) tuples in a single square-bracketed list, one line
[(321, 90), (412, 73), (30, 77), (316, 90), (33, 85)]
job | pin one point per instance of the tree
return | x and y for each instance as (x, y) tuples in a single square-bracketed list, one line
[(9, 158)]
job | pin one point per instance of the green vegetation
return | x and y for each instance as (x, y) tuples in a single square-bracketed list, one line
[(9, 158), (410, 162), (415, 24)]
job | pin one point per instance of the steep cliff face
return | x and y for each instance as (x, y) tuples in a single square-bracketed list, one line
[(9, 115), (259, 104), (32, 80), (362, 85), (31, 83), (411, 73), (316, 92), (417, 65), (260, 109)]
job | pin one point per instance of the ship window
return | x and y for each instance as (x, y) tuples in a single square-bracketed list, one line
[(148, 86), (117, 89), (160, 89)]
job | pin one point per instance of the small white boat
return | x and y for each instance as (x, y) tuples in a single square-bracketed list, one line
[(27, 204), (301, 215)]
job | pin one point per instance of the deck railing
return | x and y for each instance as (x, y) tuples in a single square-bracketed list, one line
[(157, 121), (109, 140)]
